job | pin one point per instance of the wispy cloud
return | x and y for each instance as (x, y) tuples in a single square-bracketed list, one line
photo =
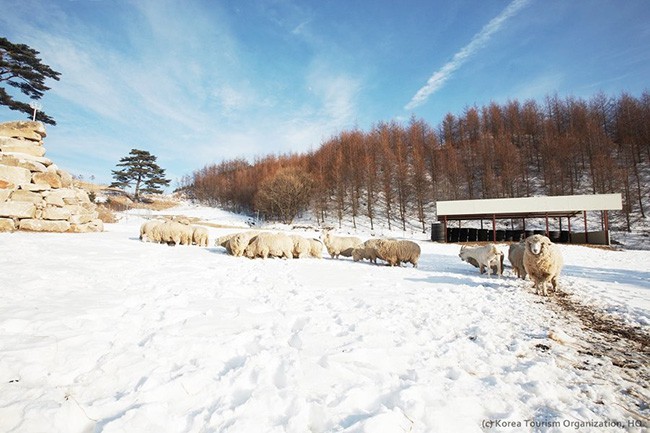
[(179, 81), (479, 40)]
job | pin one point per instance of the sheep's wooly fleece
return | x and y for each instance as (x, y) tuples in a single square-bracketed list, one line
[(111, 334)]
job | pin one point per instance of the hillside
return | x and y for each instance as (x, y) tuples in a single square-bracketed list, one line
[(393, 174), (114, 334)]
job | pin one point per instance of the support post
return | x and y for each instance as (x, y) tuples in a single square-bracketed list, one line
[(444, 224), (584, 216), (494, 228), (606, 218)]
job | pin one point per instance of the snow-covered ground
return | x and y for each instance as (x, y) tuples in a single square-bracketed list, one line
[(103, 333)]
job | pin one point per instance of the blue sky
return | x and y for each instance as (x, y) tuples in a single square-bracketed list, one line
[(198, 81)]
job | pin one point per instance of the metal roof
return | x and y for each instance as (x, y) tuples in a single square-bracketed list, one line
[(527, 207)]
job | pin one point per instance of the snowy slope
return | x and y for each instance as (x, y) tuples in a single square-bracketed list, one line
[(103, 333)]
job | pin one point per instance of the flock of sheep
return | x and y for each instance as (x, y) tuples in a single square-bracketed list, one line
[(535, 256), (174, 232), (254, 244)]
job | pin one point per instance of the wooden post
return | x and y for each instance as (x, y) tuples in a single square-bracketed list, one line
[(606, 218), (569, 228), (584, 215), (444, 223), (494, 228)]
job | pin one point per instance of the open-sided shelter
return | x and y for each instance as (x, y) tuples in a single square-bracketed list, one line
[(566, 206)]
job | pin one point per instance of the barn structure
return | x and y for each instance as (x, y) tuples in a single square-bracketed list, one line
[(515, 210)]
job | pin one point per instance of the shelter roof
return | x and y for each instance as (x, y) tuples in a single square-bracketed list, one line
[(527, 207)]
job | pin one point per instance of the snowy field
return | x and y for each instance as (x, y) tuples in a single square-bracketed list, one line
[(103, 333)]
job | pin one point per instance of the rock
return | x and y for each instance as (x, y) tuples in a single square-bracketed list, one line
[(29, 130), (57, 196), (91, 227), (35, 194), (66, 179), (7, 225), (17, 209), (14, 161), (48, 178), (43, 160), (56, 213), (82, 196), (27, 196), (36, 187), (6, 185), (44, 226), (21, 146), (83, 218), (15, 175)]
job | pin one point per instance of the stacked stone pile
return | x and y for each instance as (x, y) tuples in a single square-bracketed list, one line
[(35, 194)]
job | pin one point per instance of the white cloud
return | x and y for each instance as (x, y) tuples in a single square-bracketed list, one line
[(438, 79)]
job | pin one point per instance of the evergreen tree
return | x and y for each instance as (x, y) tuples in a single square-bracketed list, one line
[(140, 167), (22, 69)]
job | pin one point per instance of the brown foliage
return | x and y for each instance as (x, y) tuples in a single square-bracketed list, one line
[(561, 146), (285, 194)]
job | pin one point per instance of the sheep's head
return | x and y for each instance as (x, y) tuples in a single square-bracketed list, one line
[(536, 243)]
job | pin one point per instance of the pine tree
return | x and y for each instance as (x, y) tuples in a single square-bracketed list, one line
[(140, 167), (22, 69)]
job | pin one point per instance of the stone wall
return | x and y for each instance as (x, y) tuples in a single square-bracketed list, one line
[(35, 194)]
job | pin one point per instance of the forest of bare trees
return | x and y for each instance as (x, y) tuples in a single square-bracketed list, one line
[(397, 171)]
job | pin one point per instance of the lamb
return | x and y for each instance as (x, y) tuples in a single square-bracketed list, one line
[(340, 245), (485, 256), (516, 257), (367, 251), (200, 236), (301, 246), (543, 262), (472, 261), (396, 252), (270, 244), (315, 248)]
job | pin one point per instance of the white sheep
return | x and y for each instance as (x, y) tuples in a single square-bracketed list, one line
[(494, 266), (396, 252), (239, 242), (543, 262), (200, 236), (301, 246), (340, 245), (224, 241), (315, 248), (169, 232), (187, 233), (486, 256), (270, 245), (146, 230), (516, 258), (366, 251)]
